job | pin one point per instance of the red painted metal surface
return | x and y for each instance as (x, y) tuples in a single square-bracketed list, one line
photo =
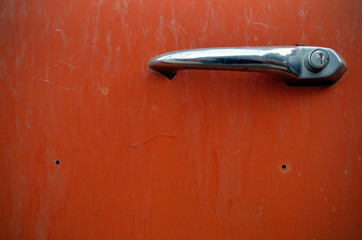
[(199, 157)]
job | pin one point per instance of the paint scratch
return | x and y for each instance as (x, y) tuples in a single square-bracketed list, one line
[(59, 86), (263, 24), (250, 20), (160, 136), (152, 138)]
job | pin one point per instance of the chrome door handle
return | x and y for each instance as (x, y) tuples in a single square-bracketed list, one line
[(303, 65)]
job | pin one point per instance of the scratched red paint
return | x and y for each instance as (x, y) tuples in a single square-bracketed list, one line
[(200, 157)]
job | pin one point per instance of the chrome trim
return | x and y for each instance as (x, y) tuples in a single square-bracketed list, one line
[(290, 61)]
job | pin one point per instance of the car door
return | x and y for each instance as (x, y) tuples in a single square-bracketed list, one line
[(96, 146)]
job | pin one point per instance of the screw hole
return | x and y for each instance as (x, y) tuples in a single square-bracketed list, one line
[(57, 162), (300, 143), (284, 166)]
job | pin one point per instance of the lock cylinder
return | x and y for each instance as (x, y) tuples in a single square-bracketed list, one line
[(317, 60)]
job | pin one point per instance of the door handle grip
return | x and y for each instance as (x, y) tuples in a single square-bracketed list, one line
[(302, 65)]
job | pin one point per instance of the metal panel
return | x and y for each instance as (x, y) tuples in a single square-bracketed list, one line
[(200, 157)]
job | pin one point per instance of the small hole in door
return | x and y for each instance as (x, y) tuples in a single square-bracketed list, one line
[(284, 166), (57, 162)]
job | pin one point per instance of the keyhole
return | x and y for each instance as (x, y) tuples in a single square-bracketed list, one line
[(321, 57)]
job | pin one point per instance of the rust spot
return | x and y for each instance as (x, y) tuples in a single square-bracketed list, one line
[(104, 91)]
